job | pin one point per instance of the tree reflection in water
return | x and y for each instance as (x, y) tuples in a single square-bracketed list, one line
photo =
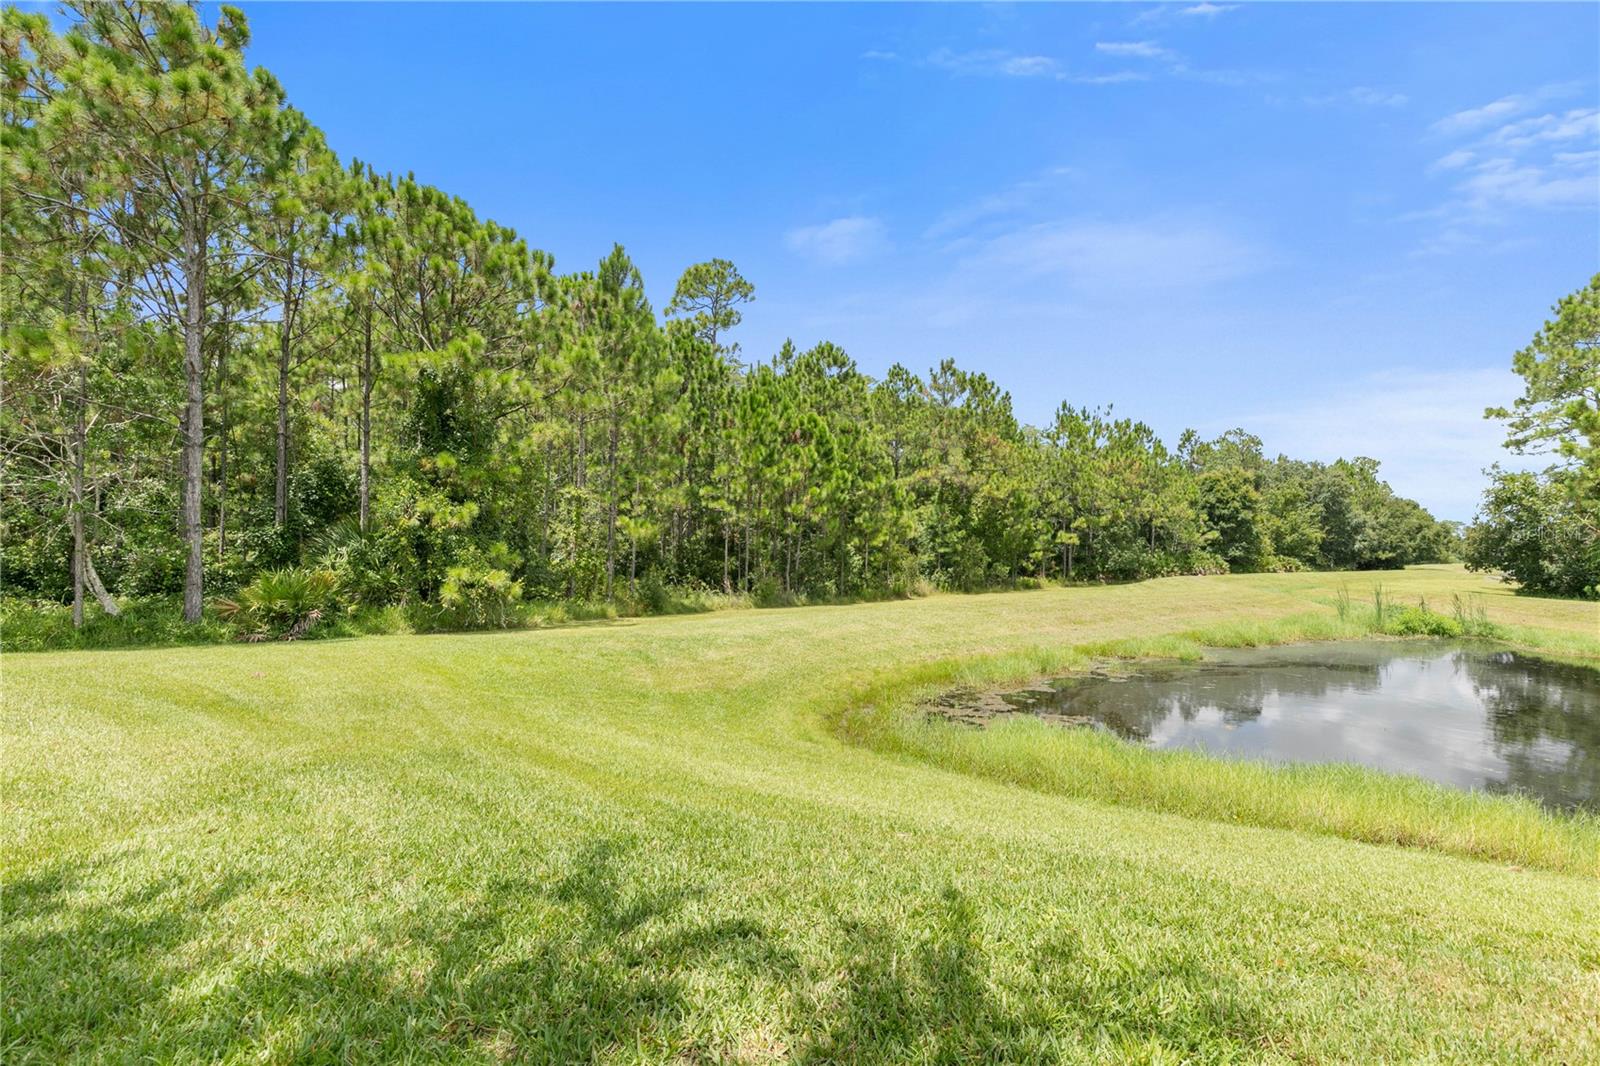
[(1473, 717), (1545, 721)]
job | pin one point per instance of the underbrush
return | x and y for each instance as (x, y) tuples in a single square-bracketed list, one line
[(291, 605), (1340, 800)]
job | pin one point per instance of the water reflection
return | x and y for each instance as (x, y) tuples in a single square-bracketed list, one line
[(1467, 716)]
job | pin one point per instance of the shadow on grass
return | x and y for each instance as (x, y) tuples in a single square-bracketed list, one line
[(592, 966), (82, 973), (932, 1001)]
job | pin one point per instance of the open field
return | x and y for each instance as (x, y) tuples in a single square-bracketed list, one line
[(647, 840)]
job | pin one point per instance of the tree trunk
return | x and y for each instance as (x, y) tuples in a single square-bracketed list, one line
[(611, 507), (366, 417), (79, 448), (547, 506), (222, 449), (79, 551), (107, 604), (280, 496), (580, 480), (194, 326)]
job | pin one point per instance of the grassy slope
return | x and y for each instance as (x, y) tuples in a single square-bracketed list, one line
[(641, 840)]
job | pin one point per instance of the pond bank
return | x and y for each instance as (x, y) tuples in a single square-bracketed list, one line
[(1470, 715), (1355, 802)]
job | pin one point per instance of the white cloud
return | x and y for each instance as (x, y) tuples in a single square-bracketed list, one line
[(1165, 13), (1014, 198), (1474, 119), (1118, 258), (1570, 180), (995, 62), (1029, 67), (999, 63), (1117, 77), (839, 241), (1477, 117), (880, 55), (1166, 61), (1361, 94), (1571, 125), (1133, 49), (1426, 428), (1508, 160), (1454, 160)]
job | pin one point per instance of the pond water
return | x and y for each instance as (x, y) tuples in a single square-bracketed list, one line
[(1471, 717)]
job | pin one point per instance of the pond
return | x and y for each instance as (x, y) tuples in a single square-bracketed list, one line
[(1468, 716)]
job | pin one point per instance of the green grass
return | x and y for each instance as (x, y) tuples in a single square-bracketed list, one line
[(644, 840)]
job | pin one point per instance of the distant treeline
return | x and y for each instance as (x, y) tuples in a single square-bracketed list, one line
[(229, 354)]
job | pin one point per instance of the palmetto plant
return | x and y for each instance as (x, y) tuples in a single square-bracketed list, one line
[(283, 603)]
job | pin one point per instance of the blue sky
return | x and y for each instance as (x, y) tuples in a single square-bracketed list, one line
[(1331, 224)]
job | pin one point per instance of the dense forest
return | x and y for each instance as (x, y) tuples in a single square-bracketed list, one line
[(243, 374)]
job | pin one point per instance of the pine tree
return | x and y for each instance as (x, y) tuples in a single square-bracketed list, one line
[(185, 142)]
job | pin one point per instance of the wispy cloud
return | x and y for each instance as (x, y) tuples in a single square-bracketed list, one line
[(1205, 11), (1152, 59), (1567, 179), (1116, 77), (1426, 428), (1024, 268), (1032, 234), (1118, 257), (1477, 117), (1000, 63), (1474, 119), (1027, 194), (1170, 63), (841, 240), (1133, 49), (1576, 124), (1508, 159), (1363, 95), (995, 62), (1454, 160)]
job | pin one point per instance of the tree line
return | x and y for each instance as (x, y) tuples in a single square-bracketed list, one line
[(230, 354)]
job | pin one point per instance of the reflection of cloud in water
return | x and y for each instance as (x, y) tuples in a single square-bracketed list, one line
[(1466, 717)]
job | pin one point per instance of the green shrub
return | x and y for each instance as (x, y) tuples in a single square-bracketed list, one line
[(654, 596), (768, 593), (1419, 622), (478, 597), (285, 604)]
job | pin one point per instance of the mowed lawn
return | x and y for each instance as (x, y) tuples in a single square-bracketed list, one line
[(644, 841)]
